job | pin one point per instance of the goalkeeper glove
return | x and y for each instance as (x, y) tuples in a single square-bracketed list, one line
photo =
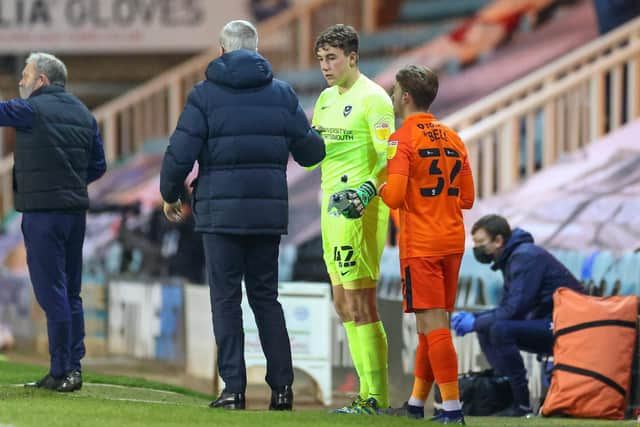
[(351, 203)]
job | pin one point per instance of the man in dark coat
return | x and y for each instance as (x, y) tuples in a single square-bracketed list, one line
[(240, 124), (58, 153), (522, 319), (614, 13)]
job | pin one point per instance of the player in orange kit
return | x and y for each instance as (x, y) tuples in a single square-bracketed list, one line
[(429, 182)]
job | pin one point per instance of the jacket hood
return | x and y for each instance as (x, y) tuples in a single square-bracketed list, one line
[(518, 237), (240, 69)]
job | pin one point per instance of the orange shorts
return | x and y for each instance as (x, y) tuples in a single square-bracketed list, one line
[(430, 282)]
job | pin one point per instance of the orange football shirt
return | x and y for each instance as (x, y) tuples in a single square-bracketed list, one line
[(430, 182)]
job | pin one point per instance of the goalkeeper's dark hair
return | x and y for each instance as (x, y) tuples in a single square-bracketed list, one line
[(340, 36), (494, 225), (421, 83)]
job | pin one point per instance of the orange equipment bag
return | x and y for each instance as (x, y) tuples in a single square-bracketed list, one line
[(593, 354)]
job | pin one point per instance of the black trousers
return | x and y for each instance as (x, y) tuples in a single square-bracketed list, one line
[(54, 255), (230, 258)]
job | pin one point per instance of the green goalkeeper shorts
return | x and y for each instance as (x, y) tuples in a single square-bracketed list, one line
[(352, 248)]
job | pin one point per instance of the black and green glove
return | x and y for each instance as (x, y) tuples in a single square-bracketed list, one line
[(352, 202)]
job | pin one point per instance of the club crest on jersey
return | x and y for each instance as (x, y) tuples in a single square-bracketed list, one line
[(392, 149), (382, 130), (347, 110)]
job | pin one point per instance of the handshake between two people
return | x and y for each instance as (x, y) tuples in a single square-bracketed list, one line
[(351, 202)]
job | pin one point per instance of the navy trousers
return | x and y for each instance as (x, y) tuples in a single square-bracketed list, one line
[(502, 345), (230, 258), (54, 255)]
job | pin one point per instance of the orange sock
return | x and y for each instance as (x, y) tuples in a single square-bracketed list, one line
[(423, 374), (444, 363), (421, 390), (450, 391)]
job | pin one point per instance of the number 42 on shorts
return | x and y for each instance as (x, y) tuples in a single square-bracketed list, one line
[(343, 255)]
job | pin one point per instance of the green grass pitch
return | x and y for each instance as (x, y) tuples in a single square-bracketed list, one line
[(107, 401)]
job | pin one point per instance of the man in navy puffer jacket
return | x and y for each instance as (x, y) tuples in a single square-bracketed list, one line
[(240, 124), (522, 319)]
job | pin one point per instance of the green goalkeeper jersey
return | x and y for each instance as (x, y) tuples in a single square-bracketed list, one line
[(356, 126)]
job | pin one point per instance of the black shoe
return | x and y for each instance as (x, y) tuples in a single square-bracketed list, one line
[(406, 410), (228, 400), (50, 383), (75, 378), (514, 411), (449, 417), (281, 399)]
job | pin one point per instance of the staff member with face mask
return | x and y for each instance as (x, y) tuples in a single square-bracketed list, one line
[(522, 319)]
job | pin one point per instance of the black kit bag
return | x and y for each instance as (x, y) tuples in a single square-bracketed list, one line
[(481, 393)]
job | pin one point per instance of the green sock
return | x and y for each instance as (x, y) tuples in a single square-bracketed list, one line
[(373, 344), (356, 356)]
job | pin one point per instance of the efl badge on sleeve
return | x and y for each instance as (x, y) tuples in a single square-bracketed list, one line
[(392, 149), (383, 130)]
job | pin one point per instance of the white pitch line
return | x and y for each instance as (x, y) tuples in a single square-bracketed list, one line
[(131, 388), (124, 399), (119, 386)]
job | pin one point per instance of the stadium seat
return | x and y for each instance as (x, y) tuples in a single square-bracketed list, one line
[(629, 273), (396, 39), (484, 286), (421, 11), (604, 272), (573, 260)]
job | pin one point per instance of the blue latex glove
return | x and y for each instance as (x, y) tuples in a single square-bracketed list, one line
[(456, 318), (465, 324)]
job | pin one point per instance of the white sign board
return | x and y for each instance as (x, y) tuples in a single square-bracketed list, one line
[(114, 25), (200, 343), (307, 311), (134, 323)]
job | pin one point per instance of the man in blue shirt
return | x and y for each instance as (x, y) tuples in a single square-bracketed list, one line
[(58, 153), (522, 319)]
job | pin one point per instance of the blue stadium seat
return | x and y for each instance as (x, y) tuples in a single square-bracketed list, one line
[(155, 146), (605, 270), (573, 260), (485, 288), (372, 66), (398, 39), (311, 79), (420, 10), (303, 80), (629, 271)]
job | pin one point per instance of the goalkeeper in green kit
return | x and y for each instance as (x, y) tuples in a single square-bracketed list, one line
[(355, 117)]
